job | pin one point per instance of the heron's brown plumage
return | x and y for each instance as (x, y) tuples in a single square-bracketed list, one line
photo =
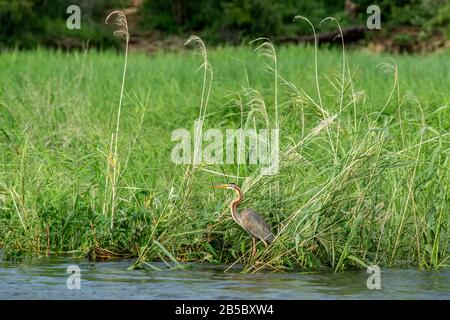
[(250, 220), (256, 226)]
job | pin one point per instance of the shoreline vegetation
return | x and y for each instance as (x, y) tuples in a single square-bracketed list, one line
[(85, 166)]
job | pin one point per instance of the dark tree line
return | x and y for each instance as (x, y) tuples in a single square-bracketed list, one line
[(27, 23)]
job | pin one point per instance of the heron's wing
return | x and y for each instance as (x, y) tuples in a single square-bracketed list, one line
[(256, 226)]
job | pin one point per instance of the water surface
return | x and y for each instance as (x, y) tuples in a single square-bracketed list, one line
[(46, 279)]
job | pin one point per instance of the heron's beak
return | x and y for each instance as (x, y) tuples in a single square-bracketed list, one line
[(221, 186)]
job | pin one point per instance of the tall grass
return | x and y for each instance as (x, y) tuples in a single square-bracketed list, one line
[(363, 156), (113, 156)]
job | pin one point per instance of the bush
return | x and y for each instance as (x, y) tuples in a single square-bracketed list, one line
[(233, 20), (18, 23), (27, 23)]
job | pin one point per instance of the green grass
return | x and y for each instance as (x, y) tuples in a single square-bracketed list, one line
[(361, 182)]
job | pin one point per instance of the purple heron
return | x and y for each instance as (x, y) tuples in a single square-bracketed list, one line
[(249, 219)]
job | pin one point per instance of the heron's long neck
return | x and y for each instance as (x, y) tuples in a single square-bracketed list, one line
[(234, 205)]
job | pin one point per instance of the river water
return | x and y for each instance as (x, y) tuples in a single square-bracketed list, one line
[(48, 278)]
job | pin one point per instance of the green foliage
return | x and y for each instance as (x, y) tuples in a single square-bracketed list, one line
[(237, 20), (19, 23), (441, 19), (233, 20), (246, 18), (27, 23), (406, 12), (370, 187)]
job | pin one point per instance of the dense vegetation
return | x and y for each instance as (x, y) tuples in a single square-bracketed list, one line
[(29, 23), (237, 20), (364, 156)]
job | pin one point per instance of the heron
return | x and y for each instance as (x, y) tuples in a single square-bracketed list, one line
[(249, 219)]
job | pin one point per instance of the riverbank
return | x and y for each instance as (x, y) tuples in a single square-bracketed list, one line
[(363, 177)]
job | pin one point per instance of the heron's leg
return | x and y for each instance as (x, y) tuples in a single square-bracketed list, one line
[(254, 247)]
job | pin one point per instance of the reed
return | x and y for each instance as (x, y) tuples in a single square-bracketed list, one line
[(363, 157), (113, 170)]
